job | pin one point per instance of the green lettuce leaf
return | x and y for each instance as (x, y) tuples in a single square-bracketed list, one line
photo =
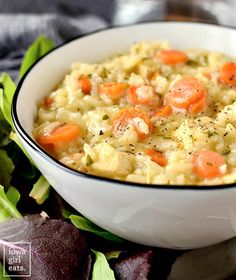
[(113, 255), (39, 48), (13, 195), (6, 94), (3, 274), (5, 129), (14, 137), (66, 213), (101, 268), (7, 90), (6, 168), (1, 113), (7, 208), (40, 190), (84, 224)]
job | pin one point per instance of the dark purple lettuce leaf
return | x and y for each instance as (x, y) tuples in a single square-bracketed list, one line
[(57, 248), (136, 266)]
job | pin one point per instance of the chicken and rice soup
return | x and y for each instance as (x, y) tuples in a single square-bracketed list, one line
[(153, 115)]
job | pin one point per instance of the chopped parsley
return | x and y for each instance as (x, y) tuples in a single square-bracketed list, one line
[(105, 117), (89, 160), (104, 73), (226, 151), (192, 63), (211, 133)]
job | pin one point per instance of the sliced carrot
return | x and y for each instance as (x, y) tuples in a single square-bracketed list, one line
[(142, 95), (85, 84), (172, 56), (47, 101), (164, 111), (157, 157), (131, 116), (113, 90), (63, 134), (207, 164), (185, 93), (227, 74), (48, 147), (198, 106), (208, 75)]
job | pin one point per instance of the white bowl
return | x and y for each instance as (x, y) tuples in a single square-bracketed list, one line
[(179, 217)]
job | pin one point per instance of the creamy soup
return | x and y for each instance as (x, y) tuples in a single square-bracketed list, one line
[(152, 115)]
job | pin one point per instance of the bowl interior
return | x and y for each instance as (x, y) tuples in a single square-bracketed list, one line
[(51, 69)]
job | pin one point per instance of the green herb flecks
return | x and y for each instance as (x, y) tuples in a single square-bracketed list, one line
[(211, 133), (192, 63), (104, 73), (226, 151), (89, 160), (105, 117)]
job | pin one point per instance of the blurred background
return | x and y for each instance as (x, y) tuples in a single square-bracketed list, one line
[(216, 11), (129, 11), (23, 21)]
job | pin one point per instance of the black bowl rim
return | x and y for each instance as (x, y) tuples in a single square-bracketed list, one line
[(35, 146)]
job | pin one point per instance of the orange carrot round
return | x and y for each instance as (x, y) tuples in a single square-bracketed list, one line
[(164, 111), (47, 102), (142, 95), (188, 94), (199, 105), (208, 75), (113, 90), (207, 164), (127, 117), (227, 74), (157, 157), (172, 56), (63, 134), (85, 84)]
